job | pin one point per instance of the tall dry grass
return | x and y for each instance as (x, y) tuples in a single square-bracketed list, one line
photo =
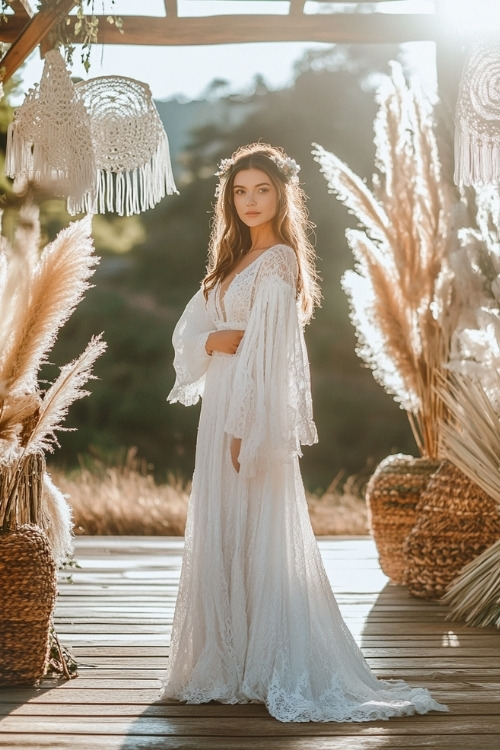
[(126, 500)]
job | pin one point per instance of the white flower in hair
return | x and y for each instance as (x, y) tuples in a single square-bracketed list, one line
[(224, 167), (288, 167)]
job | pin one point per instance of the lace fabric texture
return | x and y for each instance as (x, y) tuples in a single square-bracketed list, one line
[(256, 619)]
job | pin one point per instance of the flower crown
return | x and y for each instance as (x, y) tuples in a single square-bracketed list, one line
[(288, 168)]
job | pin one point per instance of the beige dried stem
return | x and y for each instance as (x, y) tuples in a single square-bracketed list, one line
[(401, 289), (39, 434)]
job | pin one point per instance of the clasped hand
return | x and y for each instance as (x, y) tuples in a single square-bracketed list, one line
[(226, 341)]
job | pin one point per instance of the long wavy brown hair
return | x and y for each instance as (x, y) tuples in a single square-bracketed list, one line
[(230, 237)]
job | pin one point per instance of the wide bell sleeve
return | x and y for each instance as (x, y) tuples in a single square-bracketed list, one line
[(191, 359), (271, 407)]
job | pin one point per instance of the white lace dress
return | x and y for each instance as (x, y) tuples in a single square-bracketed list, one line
[(256, 619)]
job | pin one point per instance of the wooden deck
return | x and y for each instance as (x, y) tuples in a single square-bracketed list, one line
[(117, 614)]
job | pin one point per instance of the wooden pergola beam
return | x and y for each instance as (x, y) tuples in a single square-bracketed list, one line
[(170, 7), (32, 34), (297, 7), (341, 28), (23, 7)]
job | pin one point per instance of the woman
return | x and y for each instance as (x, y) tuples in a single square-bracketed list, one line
[(256, 619)]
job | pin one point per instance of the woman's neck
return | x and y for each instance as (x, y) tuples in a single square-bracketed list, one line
[(261, 240)]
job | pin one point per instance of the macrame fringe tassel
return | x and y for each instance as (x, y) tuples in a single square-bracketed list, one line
[(28, 161), (18, 157), (477, 162), (130, 192)]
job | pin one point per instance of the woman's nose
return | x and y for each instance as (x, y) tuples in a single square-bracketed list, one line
[(250, 198)]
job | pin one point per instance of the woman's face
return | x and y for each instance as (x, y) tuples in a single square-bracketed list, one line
[(255, 197)]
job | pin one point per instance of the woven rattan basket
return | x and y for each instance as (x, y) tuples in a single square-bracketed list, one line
[(456, 521), (28, 584), (392, 495), (27, 597)]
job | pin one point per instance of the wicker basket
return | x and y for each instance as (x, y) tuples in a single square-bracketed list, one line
[(456, 521), (392, 495), (28, 588), (28, 584)]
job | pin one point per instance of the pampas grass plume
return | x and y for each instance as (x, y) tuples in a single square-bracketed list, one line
[(56, 520), (62, 393), (55, 288), (405, 322)]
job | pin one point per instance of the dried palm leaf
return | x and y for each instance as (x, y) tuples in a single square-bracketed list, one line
[(474, 596), (472, 440)]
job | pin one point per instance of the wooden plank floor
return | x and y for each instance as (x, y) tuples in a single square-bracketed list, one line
[(117, 614)]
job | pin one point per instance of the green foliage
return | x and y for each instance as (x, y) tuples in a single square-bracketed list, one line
[(139, 295), (84, 25)]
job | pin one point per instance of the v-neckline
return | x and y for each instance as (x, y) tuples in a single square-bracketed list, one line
[(220, 299)]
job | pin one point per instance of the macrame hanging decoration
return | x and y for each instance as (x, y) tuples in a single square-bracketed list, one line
[(477, 118), (49, 141), (130, 147)]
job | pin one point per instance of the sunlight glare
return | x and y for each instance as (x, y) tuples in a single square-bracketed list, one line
[(450, 639), (479, 17)]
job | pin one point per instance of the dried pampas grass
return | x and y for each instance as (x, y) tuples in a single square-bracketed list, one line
[(402, 287), (37, 295), (476, 343), (55, 287), (57, 521), (58, 398)]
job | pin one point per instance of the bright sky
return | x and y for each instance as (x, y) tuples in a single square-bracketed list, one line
[(187, 71)]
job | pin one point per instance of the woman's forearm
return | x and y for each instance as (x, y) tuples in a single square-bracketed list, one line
[(226, 341)]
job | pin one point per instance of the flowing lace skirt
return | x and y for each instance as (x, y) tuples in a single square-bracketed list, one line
[(256, 619)]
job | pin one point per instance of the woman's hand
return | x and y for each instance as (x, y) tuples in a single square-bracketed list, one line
[(223, 341), (235, 453)]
